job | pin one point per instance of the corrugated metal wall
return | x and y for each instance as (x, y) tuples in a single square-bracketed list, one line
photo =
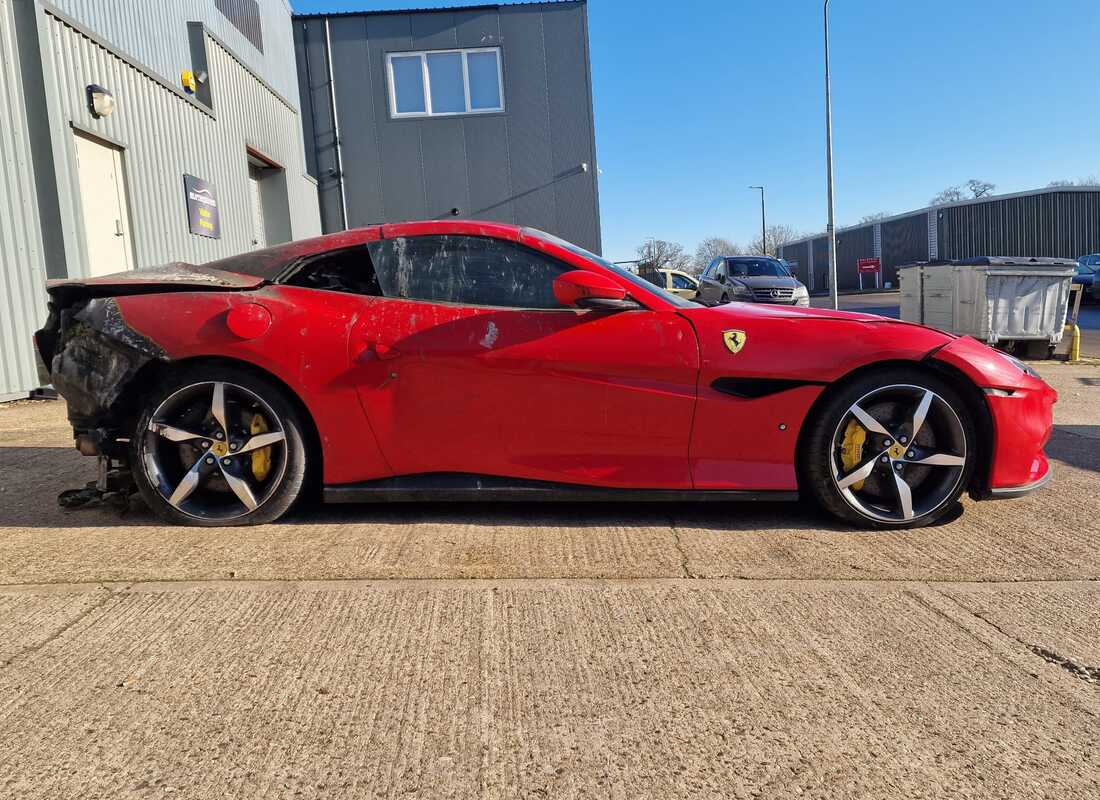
[(821, 263), (1061, 224), (800, 254), (522, 166), (164, 137), (1054, 222), (155, 33), (903, 242), (22, 268), (852, 245)]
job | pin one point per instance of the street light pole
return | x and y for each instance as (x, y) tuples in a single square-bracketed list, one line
[(763, 223), (831, 229)]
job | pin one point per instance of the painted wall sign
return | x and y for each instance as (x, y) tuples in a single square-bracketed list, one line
[(202, 207)]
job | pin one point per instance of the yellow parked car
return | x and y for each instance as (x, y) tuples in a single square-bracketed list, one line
[(680, 283)]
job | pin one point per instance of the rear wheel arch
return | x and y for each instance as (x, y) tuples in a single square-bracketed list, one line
[(971, 394)]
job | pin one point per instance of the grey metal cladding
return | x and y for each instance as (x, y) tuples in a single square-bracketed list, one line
[(821, 263), (401, 187), (1061, 224), (361, 165), (22, 263), (530, 155), (320, 134), (571, 128), (851, 246), (903, 242), (155, 33), (799, 253), (521, 166), (306, 109)]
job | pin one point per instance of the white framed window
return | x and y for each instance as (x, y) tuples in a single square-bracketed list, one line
[(434, 83)]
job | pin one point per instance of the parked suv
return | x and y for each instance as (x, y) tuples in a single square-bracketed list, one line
[(750, 279)]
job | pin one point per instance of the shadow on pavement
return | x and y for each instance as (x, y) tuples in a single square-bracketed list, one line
[(1078, 445)]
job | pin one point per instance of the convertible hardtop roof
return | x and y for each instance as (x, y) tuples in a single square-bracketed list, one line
[(271, 261)]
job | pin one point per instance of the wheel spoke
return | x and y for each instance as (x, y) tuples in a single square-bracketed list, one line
[(940, 460), (240, 488), (860, 473), (262, 440), (920, 414), (172, 433), (867, 421), (187, 484), (217, 407), (905, 497)]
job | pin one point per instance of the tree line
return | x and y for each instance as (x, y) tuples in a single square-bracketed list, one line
[(663, 254)]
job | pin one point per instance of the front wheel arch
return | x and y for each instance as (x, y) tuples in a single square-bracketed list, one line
[(972, 395)]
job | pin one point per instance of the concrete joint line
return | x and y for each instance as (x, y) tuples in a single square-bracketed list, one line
[(685, 567), (108, 593), (1086, 673)]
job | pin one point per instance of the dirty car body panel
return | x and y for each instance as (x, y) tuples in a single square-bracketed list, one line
[(413, 392)]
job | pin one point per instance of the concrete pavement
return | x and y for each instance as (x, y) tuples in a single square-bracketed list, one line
[(533, 651)]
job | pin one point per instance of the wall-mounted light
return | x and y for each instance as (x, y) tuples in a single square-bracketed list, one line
[(100, 101)]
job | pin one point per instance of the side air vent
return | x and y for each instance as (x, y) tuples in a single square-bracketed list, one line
[(753, 388)]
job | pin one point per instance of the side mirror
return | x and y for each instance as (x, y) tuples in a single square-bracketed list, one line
[(583, 289)]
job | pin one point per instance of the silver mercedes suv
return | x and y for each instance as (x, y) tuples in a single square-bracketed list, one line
[(750, 279)]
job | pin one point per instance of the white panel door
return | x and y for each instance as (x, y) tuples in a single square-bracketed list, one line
[(105, 208)]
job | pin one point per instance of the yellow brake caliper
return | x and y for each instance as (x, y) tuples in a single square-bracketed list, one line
[(261, 459), (851, 451)]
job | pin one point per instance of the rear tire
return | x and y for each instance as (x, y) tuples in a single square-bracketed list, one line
[(217, 446), (863, 464)]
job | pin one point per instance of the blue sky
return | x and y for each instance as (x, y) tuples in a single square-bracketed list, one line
[(697, 100)]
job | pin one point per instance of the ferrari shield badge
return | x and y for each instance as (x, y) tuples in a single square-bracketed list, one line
[(734, 340)]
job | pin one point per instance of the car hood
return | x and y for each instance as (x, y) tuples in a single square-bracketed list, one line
[(731, 313), (768, 282)]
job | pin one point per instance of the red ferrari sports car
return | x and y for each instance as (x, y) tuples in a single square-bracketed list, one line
[(462, 360)]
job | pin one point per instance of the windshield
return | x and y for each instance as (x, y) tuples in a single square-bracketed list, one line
[(756, 268), (641, 283)]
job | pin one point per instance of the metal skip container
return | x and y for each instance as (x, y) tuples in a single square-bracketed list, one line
[(997, 300)]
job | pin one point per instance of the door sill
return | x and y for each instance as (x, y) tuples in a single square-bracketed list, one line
[(463, 487)]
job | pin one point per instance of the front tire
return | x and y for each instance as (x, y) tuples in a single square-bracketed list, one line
[(216, 446), (891, 449)]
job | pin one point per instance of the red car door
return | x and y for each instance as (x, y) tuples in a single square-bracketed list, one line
[(468, 364)]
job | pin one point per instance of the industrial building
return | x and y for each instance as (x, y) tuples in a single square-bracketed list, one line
[(480, 112), (138, 133), (1059, 222)]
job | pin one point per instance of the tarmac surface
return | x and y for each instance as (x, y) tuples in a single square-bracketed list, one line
[(549, 651)]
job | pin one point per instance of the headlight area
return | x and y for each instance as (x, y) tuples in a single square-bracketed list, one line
[(739, 291), (802, 296), (1020, 365)]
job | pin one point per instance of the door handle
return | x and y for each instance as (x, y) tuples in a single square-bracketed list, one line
[(382, 352)]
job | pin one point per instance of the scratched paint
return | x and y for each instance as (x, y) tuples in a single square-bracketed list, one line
[(491, 334)]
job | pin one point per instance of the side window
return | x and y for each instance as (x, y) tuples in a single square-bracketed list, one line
[(350, 271), (471, 270), (680, 282)]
